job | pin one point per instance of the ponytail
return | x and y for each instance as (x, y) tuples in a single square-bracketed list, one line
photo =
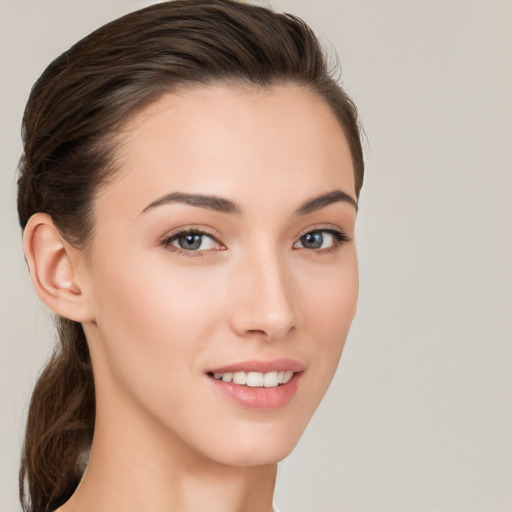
[(60, 424)]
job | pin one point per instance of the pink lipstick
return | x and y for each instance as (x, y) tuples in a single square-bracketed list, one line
[(258, 384)]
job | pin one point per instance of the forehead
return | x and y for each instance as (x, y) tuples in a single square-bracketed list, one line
[(243, 142)]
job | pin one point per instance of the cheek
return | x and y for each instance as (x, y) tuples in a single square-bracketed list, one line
[(331, 296), (151, 319), (331, 306)]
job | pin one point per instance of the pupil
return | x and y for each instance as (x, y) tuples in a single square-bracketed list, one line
[(313, 240), (190, 241)]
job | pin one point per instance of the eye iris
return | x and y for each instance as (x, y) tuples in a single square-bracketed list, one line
[(312, 240), (190, 241)]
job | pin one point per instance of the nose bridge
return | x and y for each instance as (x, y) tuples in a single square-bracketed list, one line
[(264, 295)]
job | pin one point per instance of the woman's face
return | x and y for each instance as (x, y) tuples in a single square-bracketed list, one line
[(223, 250)]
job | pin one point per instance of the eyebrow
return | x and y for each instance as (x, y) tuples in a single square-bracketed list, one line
[(317, 203), (223, 205)]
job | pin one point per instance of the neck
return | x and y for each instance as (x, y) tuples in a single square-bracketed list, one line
[(136, 465)]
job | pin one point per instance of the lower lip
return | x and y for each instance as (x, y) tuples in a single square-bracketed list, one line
[(262, 399)]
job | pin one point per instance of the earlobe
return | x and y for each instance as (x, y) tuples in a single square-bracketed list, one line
[(53, 266)]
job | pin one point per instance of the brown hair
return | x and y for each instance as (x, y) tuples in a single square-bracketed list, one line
[(75, 110)]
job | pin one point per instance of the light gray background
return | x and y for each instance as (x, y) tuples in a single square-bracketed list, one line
[(419, 417)]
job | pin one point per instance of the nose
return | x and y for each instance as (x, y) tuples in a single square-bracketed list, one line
[(263, 298)]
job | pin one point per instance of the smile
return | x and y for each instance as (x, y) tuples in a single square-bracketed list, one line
[(258, 385), (256, 379)]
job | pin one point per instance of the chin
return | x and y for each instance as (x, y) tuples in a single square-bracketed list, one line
[(255, 447), (261, 456)]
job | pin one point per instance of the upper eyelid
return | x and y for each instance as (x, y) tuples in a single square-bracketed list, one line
[(190, 230), (323, 227)]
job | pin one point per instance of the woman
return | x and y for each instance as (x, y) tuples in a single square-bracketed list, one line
[(188, 192)]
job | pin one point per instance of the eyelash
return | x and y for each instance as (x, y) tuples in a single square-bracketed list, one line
[(339, 238), (166, 242)]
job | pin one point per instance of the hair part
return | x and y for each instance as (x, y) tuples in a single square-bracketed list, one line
[(71, 125)]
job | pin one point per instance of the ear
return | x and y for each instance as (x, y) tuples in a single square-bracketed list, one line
[(55, 269)]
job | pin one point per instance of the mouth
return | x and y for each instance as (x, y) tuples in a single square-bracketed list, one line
[(260, 385), (255, 379)]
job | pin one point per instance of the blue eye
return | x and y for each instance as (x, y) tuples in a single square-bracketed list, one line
[(191, 241), (321, 239), (315, 240)]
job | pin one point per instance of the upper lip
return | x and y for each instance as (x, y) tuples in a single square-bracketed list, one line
[(262, 366)]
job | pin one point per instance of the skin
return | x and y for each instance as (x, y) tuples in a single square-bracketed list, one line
[(157, 319)]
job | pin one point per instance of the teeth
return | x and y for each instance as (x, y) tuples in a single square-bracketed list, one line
[(240, 378), (256, 379), (270, 380)]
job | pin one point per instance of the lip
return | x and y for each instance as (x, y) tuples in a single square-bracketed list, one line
[(258, 365), (259, 398)]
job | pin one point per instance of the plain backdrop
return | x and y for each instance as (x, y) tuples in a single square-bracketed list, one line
[(419, 416)]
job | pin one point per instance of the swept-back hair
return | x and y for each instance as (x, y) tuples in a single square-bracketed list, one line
[(76, 109)]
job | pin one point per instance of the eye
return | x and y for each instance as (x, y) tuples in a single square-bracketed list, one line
[(321, 240), (191, 241)]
